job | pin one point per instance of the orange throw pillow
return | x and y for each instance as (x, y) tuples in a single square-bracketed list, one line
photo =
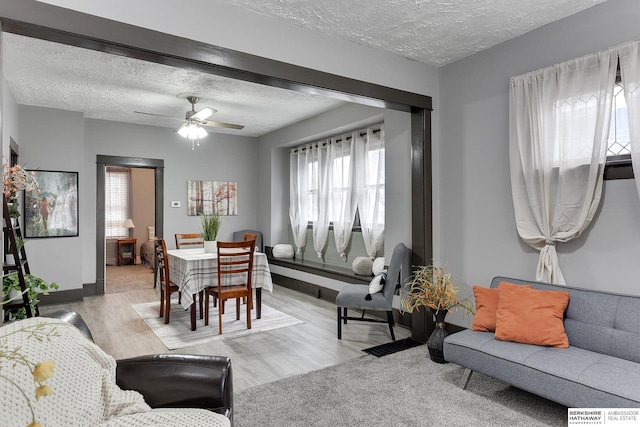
[(531, 316), (486, 305)]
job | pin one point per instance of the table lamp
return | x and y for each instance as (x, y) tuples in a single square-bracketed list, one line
[(129, 224)]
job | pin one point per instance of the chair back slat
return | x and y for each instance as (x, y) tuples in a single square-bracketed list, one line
[(162, 261), (189, 240), (234, 259)]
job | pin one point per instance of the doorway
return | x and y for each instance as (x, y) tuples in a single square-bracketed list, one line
[(130, 228), (157, 168)]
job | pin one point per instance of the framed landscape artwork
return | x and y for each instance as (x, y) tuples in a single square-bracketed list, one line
[(53, 210), (208, 197)]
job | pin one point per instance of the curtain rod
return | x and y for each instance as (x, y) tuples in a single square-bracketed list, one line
[(362, 133)]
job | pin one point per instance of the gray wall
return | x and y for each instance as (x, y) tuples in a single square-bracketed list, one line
[(475, 230), (61, 140)]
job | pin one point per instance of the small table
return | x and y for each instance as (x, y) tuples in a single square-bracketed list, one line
[(126, 255)]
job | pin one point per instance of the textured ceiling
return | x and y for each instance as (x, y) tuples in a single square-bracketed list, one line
[(435, 32), (110, 87), (104, 86)]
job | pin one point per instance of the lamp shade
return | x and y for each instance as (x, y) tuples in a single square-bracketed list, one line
[(129, 223)]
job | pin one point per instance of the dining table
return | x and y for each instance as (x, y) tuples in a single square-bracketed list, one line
[(193, 270)]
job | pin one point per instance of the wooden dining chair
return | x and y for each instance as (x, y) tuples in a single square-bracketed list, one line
[(189, 240), (235, 271), (250, 236), (166, 285)]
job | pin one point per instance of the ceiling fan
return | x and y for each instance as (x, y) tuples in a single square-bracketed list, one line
[(195, 120)]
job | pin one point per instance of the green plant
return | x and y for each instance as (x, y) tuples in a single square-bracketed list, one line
[(14, 212), (34, 286), (431, 286), (210, 226)]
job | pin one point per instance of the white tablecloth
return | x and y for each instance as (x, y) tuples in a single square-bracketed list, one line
[(193, 270)]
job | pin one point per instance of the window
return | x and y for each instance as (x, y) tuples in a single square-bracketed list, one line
[(619, 143), (336, 183), (117, 203)]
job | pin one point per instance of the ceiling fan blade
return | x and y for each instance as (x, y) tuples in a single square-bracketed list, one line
[(160, 115), (203, 114), (221, 125)]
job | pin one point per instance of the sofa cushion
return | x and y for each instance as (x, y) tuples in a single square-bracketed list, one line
[(531, 316), (484, 319), (548, 370)]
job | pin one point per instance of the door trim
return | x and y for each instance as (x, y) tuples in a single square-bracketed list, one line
[(131, 162)]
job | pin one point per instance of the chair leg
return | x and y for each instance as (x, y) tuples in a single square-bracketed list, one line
[(220, 309), (167, 306), (249, 304), (391, 323), (161, 303), (339, 325), (179, 297), (344, 316), (238, 308), (200, 294), (206, 309)]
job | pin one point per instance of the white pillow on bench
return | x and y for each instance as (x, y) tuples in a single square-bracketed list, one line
[(283, 250)]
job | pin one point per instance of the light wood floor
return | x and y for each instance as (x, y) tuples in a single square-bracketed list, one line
[(257, 358)]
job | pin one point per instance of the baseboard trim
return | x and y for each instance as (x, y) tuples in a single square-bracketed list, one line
[(61, 297)]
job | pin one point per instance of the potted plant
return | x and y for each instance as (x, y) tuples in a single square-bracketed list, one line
[(11, 291), (431, 286), (210, 226)]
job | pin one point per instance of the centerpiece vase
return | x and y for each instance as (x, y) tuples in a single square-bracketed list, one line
[(210, 246), (435, 343)]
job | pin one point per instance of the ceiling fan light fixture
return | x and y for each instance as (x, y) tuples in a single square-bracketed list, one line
[(192, 131)]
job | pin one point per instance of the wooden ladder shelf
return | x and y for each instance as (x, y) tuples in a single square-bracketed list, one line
[(20, 266)]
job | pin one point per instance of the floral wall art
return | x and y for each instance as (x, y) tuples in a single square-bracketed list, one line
[(208, 197)]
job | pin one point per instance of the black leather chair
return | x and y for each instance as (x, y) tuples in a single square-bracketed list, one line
[(172, 380)]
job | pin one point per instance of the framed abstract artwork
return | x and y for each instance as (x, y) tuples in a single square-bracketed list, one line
[(52, 211), (208, 197)]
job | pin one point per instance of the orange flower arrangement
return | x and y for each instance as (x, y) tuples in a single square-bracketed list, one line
[(431, 286)]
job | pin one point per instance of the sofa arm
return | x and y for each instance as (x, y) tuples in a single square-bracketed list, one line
[(180, 381)]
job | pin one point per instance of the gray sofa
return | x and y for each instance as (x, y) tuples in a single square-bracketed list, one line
[(600, 369)]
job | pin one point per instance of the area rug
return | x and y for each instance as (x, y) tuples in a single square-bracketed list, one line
[(178, 334), (402, 389)]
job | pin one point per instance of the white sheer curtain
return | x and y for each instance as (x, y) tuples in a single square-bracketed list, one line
[(559, 122), (370, 178), (343, 198), (321, 180), (299, 198), (629, 55)]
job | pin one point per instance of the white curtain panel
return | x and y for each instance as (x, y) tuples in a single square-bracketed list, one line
[(629, 55), (321, 180), (344, 199), (370, 179), (558, 127), (298, 196)]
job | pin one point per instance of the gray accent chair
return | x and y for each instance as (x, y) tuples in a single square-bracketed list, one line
[(238, 236), (355, 296)]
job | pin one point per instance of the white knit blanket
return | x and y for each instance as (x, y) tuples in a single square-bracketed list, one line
[(84, 388)]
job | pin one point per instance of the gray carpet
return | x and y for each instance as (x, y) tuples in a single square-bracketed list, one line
[(401, 389)]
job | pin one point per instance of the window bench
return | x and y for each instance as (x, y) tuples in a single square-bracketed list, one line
[(326, 289)]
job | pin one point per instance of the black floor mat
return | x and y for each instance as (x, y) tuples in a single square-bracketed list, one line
[(392, 347)]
